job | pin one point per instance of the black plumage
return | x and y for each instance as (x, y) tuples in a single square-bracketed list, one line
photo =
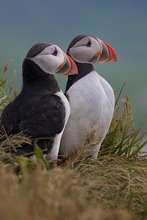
[(37, 112), (41, 116)]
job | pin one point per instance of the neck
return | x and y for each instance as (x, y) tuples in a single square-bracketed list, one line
[(34, 78), (83, 70)]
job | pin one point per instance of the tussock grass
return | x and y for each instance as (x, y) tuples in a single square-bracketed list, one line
[(123, 138), (110, 187), (6, 94), (55, 194), (116, 182)]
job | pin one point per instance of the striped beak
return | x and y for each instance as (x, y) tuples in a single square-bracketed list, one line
[(107, 53), (68, 67)]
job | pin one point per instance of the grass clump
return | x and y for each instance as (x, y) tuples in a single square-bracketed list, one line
[(6, 95), (116, 182), (55, 194), (123, 138)]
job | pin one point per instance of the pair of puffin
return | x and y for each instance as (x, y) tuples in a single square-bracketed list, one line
[(42, 112)]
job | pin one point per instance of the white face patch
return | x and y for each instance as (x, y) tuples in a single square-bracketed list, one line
[(49, 61), (85, 49)]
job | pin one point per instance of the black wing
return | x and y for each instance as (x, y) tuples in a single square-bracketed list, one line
[(42, 117), (10, 117), (35, 117)]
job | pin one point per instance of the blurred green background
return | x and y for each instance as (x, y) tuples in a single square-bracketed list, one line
[(120, 23)]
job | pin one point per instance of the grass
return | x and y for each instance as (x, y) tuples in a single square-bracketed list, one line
[(110, 187), (56, 194), (123, 138), (6, 95)]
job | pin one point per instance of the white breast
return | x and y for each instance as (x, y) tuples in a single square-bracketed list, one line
[(92, 105), (56, 144)]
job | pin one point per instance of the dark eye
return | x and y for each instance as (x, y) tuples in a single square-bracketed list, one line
[(55, 52), (88, 43)]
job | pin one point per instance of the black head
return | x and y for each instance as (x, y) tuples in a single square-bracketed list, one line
[(47, 58), (75, 40), (90, 49), (86, 50), (37, 49)]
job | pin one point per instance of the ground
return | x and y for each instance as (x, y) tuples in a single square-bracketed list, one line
[(110, 187)]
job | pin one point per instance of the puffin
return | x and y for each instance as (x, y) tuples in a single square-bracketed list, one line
[(90, 96), (41, 110)]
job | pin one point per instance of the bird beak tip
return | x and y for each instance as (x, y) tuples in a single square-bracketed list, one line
[(68, 67), (73, 70), (108, 53), (112, 57)]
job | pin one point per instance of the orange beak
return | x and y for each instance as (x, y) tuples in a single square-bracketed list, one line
[(108, 54), (68, 67), (73, 67)]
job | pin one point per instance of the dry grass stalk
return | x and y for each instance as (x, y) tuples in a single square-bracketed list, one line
[(57, 194)]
